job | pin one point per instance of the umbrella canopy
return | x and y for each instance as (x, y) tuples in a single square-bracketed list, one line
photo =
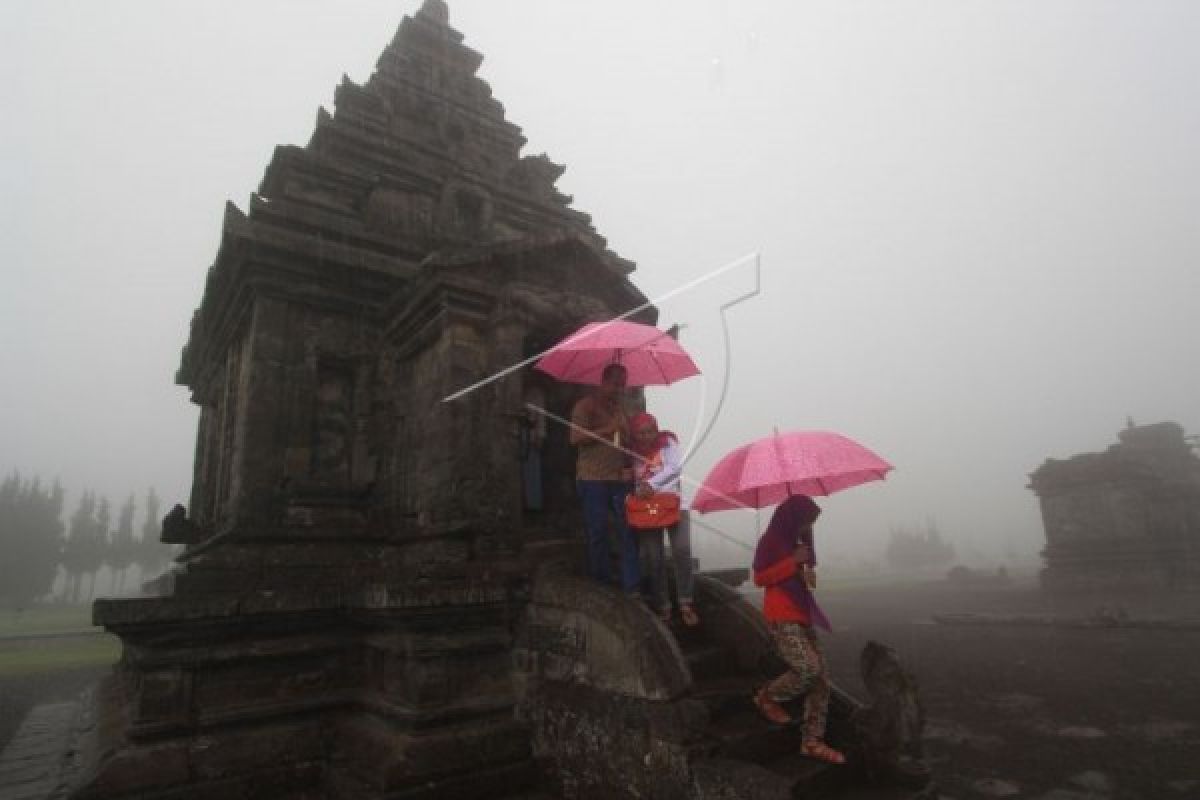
[(765, 472), (650, 356)]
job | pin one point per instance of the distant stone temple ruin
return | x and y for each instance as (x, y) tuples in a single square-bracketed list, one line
[(367, 605), (1126, 519)]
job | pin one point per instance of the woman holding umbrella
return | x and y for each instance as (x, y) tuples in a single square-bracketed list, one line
[(783, 564), (657, 466), (788, 469)]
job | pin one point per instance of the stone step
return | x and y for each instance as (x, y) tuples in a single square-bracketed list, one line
[(746, 736), (726, 694), (688, 636), (811, 779), (708, 661)]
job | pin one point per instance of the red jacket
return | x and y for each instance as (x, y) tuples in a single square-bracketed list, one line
[(777, 604)]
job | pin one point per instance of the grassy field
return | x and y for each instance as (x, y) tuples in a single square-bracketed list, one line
[(52, 655), (46, 619), (52, 639)]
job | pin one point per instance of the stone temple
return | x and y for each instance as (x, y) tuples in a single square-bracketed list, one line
[(1126, 520), (365, 607)]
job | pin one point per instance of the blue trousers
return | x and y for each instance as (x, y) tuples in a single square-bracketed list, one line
[(531, 479), (600, 500)]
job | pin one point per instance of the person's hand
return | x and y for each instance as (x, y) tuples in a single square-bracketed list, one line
[(644, 491), (803, 554)]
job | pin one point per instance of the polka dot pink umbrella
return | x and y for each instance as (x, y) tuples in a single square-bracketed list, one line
[(768, 470), (651, 357)]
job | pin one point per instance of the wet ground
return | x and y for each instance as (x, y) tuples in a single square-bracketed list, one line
[(1029, 711), (20, 693), (1019, 711)]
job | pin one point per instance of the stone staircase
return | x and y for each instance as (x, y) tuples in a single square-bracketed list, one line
[(737, 732), (621, 705)]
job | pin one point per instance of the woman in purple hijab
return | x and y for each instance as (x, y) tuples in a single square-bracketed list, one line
[(784, 564)]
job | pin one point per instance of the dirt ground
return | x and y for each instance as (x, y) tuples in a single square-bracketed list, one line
[(1022, 711), (1028, 711)]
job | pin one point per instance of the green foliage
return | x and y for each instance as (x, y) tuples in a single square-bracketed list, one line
[(80, 552), (122, 547), (30, 539), (152, 526), (34, 543), (152, 554)]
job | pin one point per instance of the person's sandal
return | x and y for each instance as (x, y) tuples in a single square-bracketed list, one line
[(822, 752), (772, 711), (689, 615)]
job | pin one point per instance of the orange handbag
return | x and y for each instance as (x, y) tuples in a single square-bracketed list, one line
[(660, 510)]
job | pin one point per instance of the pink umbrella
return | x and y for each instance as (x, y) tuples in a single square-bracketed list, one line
[(650, 357), (767, 471)]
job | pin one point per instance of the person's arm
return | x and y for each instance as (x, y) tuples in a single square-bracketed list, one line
[(810, 577), (808, 560), (671, 468), (778, 572), (642, 486)]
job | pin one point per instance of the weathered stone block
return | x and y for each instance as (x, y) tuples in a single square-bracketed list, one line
[(139, 768), (229, 752), (164, 700)]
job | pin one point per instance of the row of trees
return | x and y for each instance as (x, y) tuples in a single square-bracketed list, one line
[(39, 552)]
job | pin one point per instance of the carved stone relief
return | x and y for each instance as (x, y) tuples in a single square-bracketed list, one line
[(333, 422), (332, 197), (399, 213), (465, 211)]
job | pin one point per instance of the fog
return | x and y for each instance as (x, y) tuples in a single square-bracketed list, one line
[(975, 221)]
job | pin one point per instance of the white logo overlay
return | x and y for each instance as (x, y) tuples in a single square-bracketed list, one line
[(728, 286)]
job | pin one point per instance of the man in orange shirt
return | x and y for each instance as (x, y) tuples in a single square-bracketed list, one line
[(784, 564)]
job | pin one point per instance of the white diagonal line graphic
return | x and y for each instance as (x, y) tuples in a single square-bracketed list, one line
[(682, 476), (751, 257)]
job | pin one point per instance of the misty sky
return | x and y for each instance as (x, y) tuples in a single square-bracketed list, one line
[(977, 220)]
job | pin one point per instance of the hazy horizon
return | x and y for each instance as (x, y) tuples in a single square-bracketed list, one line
[(976, 220)]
